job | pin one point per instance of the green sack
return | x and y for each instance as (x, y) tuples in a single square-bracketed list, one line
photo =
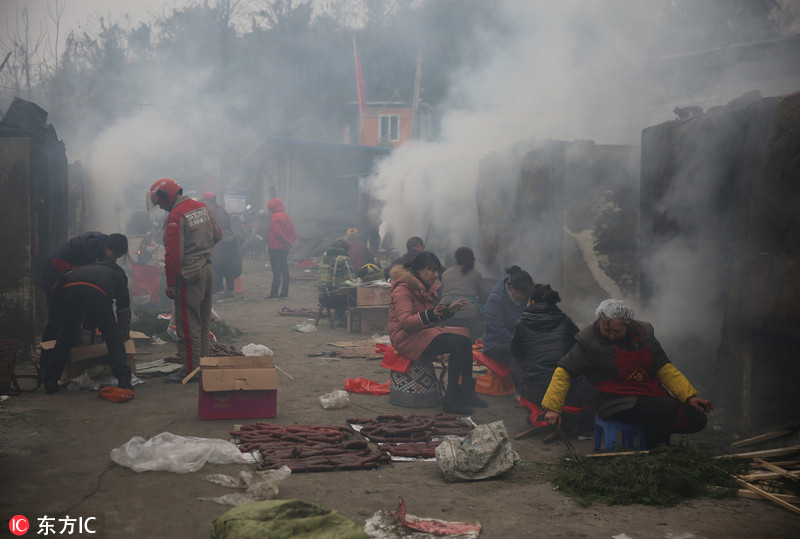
[(278, 519)]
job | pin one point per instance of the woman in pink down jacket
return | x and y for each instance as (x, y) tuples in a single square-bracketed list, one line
[(413, 318)]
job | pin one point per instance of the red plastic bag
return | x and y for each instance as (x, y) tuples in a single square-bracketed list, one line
[(363, 385), (392, 359), (116, 394)]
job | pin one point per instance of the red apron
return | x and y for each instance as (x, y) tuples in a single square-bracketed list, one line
[(633, 374)]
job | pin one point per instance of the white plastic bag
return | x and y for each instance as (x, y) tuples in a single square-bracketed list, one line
[(256, 350), (335, 399), (173, 453), (306, 326), (260, 485)]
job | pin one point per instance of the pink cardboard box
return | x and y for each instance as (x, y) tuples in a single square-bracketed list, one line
[(237, 387)]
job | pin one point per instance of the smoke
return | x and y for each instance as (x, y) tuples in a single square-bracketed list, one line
[(602, 71)]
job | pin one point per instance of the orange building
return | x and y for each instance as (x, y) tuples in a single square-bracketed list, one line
[(386, 124)]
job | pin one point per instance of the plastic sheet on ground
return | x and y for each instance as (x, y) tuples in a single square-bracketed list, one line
[(253, 349), (158, 366), (385, 524), (259, 486), (172, 453), (85, 382)]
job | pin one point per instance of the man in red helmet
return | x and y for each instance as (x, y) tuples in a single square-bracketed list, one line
[(190, 234)]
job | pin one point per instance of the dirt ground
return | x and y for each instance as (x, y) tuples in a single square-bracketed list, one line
[(54, 453)]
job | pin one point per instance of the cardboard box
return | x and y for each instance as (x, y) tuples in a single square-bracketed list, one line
[(237, 387), (369, 296), (368, 320), (81, 358)]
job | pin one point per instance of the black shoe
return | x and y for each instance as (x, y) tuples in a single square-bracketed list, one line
[(50, 387), (286, 295), (453, 402), (456, 408), (472, 399), (272, 296)]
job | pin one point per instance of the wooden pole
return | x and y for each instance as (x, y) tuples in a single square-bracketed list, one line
[(766, 495)]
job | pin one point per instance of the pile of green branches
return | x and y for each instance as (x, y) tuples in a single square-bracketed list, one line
[(661, 478)]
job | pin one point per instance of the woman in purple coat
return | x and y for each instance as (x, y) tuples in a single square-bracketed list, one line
[(413, 318)]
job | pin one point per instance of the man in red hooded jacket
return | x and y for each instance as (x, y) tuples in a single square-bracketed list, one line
[(281, 238)]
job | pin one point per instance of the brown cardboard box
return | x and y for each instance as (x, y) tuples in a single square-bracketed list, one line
[(368, 320), (370, 296), (237, 387), (83, 357)]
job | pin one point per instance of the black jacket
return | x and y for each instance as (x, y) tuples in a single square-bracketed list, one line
[(542, 336), (78, 251), (108, 276)]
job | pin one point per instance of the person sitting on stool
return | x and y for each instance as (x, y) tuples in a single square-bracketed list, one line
[(334, 271), (621, 358)]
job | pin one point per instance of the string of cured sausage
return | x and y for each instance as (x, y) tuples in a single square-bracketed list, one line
[(307, 448)]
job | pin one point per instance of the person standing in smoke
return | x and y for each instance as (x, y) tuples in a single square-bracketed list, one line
[(281, 238), (226, 258), (190, 234), (631, 373)]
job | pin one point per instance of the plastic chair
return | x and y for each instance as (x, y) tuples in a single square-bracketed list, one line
[(608, 431)]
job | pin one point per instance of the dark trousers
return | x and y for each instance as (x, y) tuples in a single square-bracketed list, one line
[(500, 353), (71, 307), (661, 417), (460, 363), (278, 259), (227, 262)]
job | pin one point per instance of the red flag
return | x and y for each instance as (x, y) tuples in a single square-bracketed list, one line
[(359, 82)]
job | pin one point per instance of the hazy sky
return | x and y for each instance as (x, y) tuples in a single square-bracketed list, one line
[(78, 13)]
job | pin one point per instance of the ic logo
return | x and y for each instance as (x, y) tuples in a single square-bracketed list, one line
[(18, 525)]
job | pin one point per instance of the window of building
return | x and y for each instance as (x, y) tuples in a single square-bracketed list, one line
[(390, 127)]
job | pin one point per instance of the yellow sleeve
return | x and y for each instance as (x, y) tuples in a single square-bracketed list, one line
[(676, 382), (557, 391)]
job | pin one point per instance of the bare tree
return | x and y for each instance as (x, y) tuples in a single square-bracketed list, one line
[(23, 47), (54, 12)]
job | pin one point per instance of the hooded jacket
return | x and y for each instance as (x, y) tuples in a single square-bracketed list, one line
[(544, 334), (334, 271), (408, 333), (500, 316), (281, 227)]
